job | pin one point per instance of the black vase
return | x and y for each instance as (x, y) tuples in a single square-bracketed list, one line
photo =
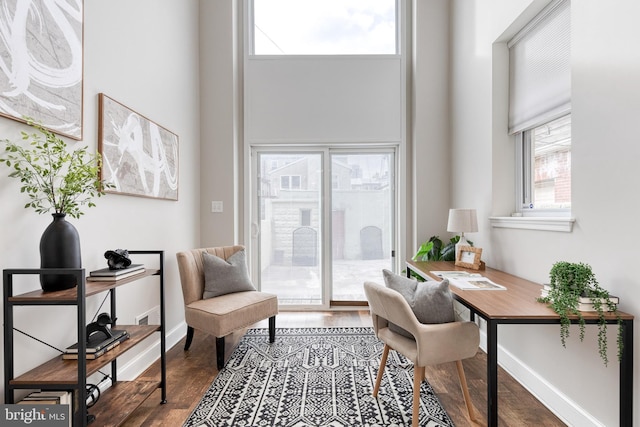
[(59, 248)]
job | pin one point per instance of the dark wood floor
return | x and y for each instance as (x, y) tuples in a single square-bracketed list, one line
[(189, 375)]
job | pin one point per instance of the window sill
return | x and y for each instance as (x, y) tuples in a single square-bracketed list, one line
[(562, 224)]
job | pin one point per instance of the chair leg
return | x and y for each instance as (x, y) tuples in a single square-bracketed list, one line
[(418, 375), (220, 352), (187, 343), (465, 390), (383, 363), (272, 328)]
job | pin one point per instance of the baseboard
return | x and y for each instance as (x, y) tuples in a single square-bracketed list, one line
[(148, 355), (557, 402)]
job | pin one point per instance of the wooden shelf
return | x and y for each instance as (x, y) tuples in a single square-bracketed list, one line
[(70, 296), (120, 400), (60, 371)]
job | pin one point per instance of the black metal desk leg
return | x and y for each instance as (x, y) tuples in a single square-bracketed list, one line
[(626, 375), (492, 373)]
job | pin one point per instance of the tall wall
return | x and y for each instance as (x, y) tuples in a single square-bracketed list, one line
[(221, 164), (605, 104), (143, 54), (430, 156)]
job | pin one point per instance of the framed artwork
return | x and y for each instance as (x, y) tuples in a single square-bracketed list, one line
[(469, 257), (139, 157), (41, 62)]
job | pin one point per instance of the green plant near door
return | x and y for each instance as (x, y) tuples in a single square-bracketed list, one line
[(569, 282)]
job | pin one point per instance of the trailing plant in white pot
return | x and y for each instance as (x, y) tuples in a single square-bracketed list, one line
[(568, 282)]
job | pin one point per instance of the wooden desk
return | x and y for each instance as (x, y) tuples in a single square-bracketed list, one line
[(518, 305)]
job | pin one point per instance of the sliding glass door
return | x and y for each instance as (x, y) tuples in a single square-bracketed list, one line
[(323, 223), (361, 221)]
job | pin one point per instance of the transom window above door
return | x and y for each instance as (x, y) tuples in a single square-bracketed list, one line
[(324, 27)]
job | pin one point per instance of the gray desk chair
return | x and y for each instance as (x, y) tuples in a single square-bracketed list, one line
[(434, 343)]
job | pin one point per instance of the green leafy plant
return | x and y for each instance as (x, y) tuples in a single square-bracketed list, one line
[(432, 250), (569, 282), (53, 177)]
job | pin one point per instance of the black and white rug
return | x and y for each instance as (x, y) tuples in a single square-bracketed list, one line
[(314, 377)]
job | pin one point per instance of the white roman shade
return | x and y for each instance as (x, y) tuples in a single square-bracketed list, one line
[(540, 69)]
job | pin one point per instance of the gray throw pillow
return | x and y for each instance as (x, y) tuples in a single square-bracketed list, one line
[(225, 276), (431, 301)]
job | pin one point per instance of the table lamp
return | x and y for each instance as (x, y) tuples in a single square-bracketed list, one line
[(461, 221)]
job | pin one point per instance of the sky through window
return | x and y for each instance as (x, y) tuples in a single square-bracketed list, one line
[(324, 27)]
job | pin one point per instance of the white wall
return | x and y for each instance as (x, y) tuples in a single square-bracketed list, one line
[(221, 163), (145, 55), (430, 153), (605, 102), (323, 100)]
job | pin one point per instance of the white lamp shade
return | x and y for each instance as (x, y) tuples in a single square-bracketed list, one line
[(462, 221)]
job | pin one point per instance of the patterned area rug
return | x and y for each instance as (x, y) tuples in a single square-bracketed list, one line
[(314, 377)]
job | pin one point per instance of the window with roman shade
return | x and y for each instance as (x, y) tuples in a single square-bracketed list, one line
[(540, 69)]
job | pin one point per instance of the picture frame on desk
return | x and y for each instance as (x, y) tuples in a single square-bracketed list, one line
[(469, 257)]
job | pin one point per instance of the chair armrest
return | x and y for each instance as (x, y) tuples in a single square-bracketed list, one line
[(446, 342), (379, 322)]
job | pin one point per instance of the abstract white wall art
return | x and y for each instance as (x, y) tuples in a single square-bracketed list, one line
[(139, 157), (41, 57)]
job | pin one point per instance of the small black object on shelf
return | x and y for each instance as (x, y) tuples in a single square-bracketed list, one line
[(100, 326), (117, 259)]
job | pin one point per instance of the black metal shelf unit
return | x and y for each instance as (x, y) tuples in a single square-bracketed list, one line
[(58, 374)]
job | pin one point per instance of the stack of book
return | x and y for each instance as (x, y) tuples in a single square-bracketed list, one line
[(106, 274), (51, 397), (47, 397), (97, 345), (584, 303)]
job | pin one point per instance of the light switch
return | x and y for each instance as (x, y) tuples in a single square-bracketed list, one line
[(216, 206)]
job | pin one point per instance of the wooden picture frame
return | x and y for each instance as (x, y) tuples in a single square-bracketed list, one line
[(42, 54), (139, 157), (469, 257)]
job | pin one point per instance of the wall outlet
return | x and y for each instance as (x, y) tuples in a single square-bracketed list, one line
[(216, 206)]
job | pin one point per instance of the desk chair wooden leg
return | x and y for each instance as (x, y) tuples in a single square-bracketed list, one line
[(187, 343), (383, 363), (465, 390), (418, 375)]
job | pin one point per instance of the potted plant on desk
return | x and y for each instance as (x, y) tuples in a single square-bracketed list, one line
[(569, 282), (432, 250), (60, 180)]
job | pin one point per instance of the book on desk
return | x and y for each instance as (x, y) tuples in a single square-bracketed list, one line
[(585, 303), (469, 281)]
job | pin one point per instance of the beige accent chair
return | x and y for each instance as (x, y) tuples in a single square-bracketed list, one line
[(434, 343), (224, 314)]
